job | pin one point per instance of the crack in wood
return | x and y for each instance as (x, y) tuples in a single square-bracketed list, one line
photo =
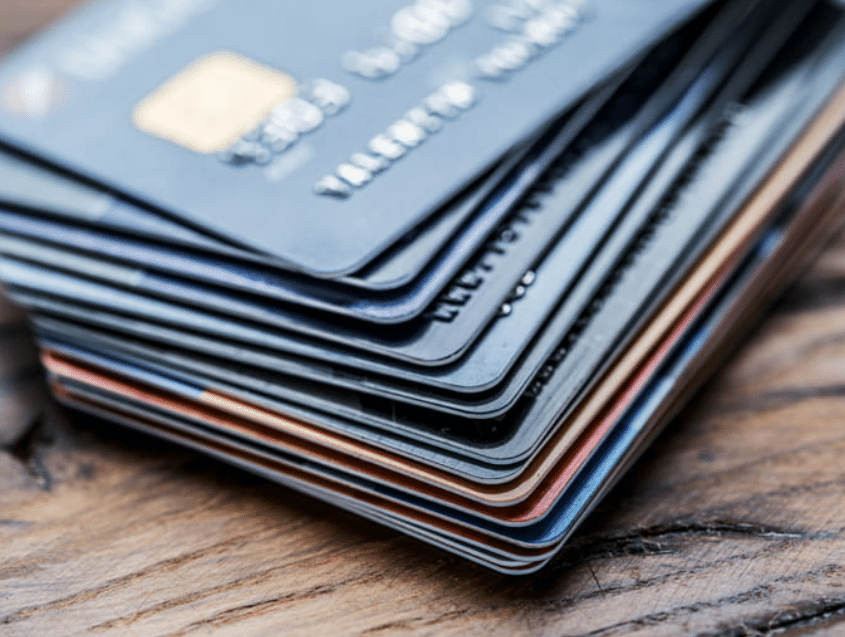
[(414, 623), (812, 295), (163, 566), (647, 540), (29, 450), (783, 398), (243, 583), (761, 591), (784, 454), (15, 330), (804, 615), (235, 614), (556, 605)]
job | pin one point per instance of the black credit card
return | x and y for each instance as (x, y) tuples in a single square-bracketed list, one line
[(245, 122)]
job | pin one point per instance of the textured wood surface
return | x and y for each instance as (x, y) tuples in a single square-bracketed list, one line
[(732, 524)]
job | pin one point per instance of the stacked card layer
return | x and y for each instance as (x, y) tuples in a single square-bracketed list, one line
[(465, 321)]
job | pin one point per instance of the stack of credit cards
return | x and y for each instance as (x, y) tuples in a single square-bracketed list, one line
[(449, 264)]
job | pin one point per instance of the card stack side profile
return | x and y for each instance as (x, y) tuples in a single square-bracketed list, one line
[(447, 264)]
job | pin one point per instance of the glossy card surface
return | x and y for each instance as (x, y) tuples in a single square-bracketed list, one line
[(154, 116)]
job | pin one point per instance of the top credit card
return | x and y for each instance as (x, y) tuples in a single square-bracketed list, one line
[(316, 132)]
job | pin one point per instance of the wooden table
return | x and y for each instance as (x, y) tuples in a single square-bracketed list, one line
[(732, 524)]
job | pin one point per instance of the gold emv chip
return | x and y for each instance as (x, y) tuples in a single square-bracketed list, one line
[(214, 102)]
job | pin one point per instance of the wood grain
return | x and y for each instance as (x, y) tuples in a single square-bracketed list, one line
[(732, 524)]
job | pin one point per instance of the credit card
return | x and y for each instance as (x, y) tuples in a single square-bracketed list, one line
[(210, 93), (584, 164), (54, 194)]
